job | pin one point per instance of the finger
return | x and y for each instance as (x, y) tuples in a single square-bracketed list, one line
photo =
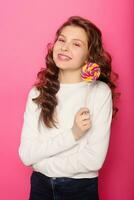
[(83, 110), (86, 125), (85, 117), (87, 121)]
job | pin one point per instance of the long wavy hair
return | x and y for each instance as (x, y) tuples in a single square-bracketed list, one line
[(47, 78)]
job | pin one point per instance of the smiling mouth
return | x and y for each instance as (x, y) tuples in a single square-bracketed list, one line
[(64, 57)]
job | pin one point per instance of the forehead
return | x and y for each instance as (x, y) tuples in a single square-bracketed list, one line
[(74, 32)]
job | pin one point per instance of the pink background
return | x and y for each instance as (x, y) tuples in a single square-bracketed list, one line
[(26, 28)]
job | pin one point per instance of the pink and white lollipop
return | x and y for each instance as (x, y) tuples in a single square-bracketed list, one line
[(90, 72)]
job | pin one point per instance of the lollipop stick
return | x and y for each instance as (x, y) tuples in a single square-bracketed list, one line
[(86, 98)]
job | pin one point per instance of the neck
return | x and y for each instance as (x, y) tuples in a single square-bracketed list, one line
[(69, 76)]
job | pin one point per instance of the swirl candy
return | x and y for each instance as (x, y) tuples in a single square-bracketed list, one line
[(90, 72)]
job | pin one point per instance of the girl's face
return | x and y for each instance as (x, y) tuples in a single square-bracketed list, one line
[(70, 50)]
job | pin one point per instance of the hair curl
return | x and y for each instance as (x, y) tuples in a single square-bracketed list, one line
[(48, 83)]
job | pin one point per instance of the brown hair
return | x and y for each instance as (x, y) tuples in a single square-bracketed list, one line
[(48, 83)]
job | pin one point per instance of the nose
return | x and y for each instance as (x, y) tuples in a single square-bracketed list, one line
[(65, 46)]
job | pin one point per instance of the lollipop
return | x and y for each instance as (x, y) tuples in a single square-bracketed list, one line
[(90, 72)]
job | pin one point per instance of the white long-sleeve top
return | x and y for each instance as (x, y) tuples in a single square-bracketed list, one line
[(54, 151)]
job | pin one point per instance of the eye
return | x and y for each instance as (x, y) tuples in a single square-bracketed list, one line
[(61, 40), (77, 44)]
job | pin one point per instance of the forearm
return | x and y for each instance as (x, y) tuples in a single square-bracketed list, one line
[(36, 148)]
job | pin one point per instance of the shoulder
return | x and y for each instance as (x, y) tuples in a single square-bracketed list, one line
[(33, 92), (101, 90), (103, 86), (30, 104)]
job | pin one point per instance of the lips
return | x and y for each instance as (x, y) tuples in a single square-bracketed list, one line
[(64, 57)]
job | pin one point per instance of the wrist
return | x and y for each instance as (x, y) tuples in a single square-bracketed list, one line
[(74, 134)]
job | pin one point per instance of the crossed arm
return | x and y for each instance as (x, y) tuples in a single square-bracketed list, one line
[(43, 155), (33, 147), (92, 156)]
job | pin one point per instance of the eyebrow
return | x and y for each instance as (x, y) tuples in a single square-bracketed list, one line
[(73, 39)]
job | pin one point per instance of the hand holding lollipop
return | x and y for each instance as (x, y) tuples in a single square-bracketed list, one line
[(82, 121)]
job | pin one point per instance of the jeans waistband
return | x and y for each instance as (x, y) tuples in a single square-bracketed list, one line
[(60, 179)]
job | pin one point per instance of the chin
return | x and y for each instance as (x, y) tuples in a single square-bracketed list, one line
[(62, 65)]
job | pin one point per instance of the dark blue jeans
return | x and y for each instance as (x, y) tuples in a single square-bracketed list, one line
[(49, 188)]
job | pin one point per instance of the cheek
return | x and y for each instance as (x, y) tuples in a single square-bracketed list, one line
[(80, 55), (56, 46), (54, 50)]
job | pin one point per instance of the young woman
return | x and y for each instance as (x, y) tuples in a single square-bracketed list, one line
[(67, 120)]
